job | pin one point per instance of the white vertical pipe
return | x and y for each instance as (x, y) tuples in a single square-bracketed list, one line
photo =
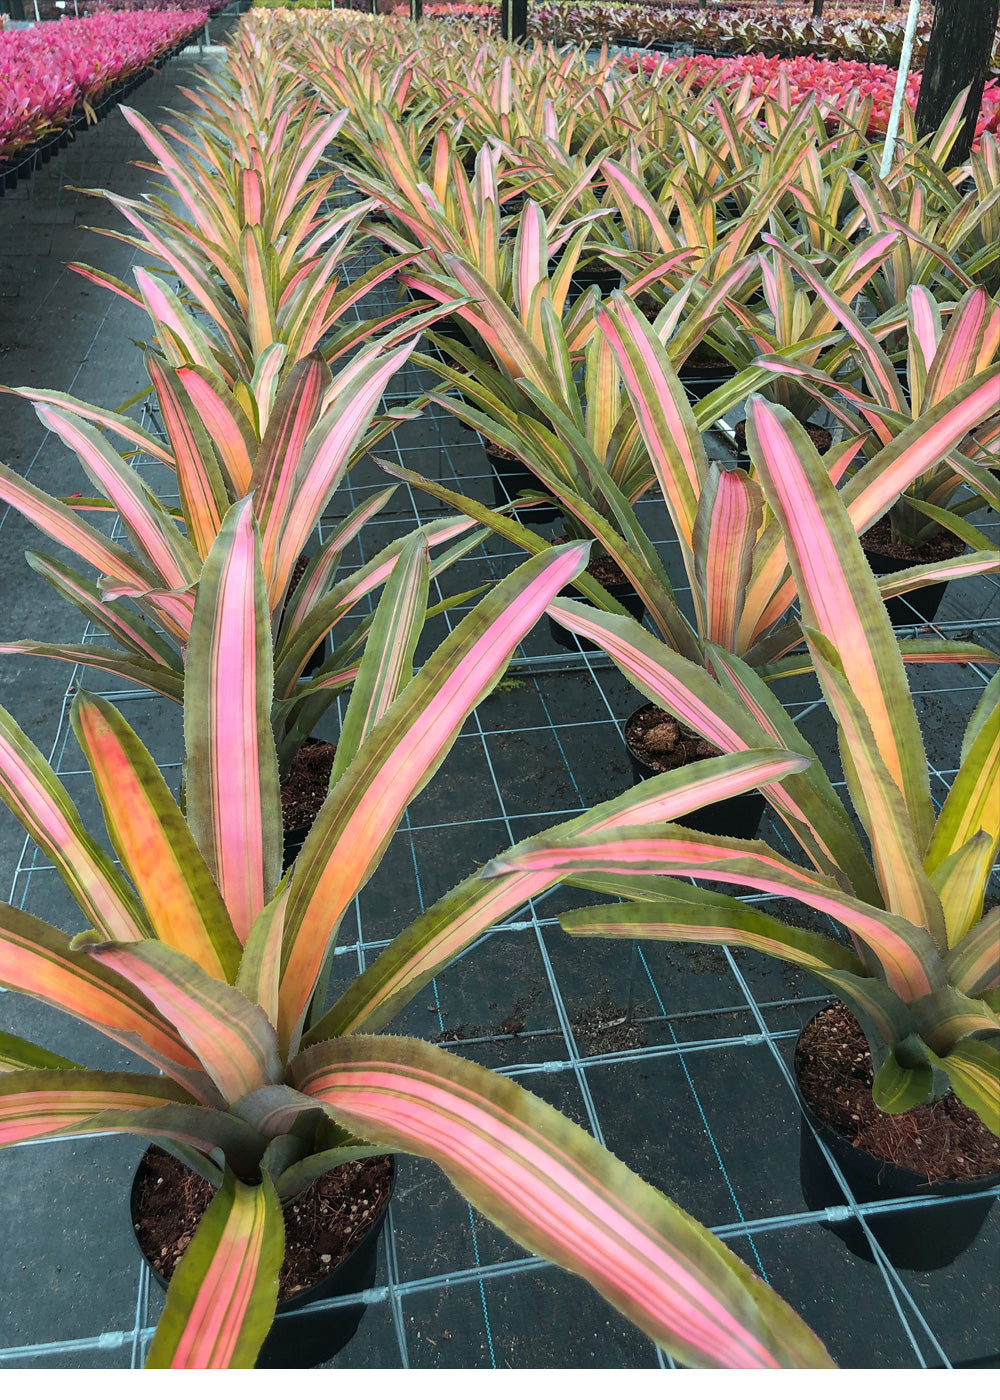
[(897, 100)]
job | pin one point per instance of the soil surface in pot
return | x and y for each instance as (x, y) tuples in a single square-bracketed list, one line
[(663, 742), (321, 1227), (879, 540), (607, 571), (304, 790), (821, 438), (944, 1141)]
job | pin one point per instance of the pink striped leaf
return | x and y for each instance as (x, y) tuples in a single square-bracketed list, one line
[(181, 339), (148, 524), (123, 624), (662, 411), (39, 961), (729, 518), (905, 953), (560, 1194), (160, 679), (63, 525), (919, 447), (40, 802), (967, 346), (387, 666), (47, 1103), (107, 281), (264, 382), (233, 804), (839, 599), (973, 964), (290, 420), (454, 922), (222, 1297), (896, 853), (260, 299), (230, 1037), (103, 417), (173, 608), (200, 484), (686, 690), (397, 760), (291, 502), (226, 423), (153, 841)]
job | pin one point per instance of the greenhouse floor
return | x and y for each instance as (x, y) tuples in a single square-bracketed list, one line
[(677, 1059)]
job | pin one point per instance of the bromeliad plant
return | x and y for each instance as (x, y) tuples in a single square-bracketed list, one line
[(945, 348), (206, 966), (921, 971), (316, 426), (732, 547)]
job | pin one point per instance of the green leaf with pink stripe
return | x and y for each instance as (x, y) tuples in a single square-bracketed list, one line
[(230, 1036), (729, 517), (905, 953), (454, 922), (974, 963), (200, 485), (148, 525), (153, 841), (221, 1299), (397, 760), (557, 1192), (64, 526), (387, 665), (40, 802), (290, 503), (233, 803), (839, 598)]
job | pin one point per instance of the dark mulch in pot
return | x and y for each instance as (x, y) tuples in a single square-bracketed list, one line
[(321, 1226), (944, 1141), (663, 742), (705, 360), (607, 571), (821, 438), (880, 540), (304, 790)]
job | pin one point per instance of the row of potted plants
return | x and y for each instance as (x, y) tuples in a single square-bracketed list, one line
[(201, 954), (864, 32), (831, 80), (210, 961), (52, 72)]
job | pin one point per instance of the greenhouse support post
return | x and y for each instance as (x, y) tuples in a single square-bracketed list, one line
[(958, 60), (900, 93)]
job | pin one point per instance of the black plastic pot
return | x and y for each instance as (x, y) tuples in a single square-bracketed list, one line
[(925, 1237), (702, 380), (623, 593), (919, 605), (299, 1340), (510, 477), (738, 816), (293, 840), (606, 280)]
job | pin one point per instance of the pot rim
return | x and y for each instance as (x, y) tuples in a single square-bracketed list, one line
[(943, 1186), (305, 1295)]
